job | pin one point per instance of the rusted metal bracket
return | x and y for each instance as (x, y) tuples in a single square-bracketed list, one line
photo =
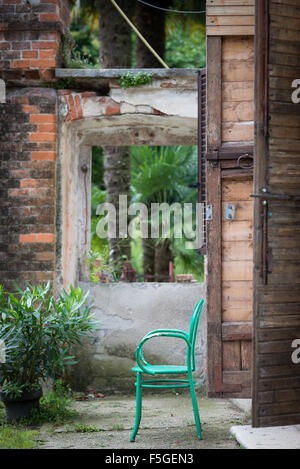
[(264, 263), (266, 252), (267, 196), (217, 154)]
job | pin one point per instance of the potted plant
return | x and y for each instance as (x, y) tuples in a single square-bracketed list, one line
[(39, 334)]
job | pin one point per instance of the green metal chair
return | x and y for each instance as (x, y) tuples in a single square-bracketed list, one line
[(144, 367)]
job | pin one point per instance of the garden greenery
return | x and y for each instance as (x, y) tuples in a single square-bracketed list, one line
[(39, 333), (129, 80)]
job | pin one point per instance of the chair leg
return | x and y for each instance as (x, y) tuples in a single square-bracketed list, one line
[(195, 408), (138, 411)]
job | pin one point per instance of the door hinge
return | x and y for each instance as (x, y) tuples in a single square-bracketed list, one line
[(209, 212), (229, 212)]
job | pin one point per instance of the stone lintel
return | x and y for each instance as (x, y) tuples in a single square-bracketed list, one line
[(114, 73)]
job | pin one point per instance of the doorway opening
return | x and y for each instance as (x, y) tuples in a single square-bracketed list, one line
[(157, 184)]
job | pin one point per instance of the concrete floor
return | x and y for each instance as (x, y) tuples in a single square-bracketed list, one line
[(167, 423), (267, 438)]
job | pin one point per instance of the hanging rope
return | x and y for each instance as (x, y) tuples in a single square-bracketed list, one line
[(139, 35), (171, 11)]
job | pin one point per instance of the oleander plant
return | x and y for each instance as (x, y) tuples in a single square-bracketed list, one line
[(39, 333)]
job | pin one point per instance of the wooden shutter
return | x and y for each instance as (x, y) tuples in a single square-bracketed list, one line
[(276, 393)]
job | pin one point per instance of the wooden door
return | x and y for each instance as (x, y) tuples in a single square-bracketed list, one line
[(229, 240), (276, 385)]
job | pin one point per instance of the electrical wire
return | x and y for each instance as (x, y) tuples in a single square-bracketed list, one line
[(171, 11)]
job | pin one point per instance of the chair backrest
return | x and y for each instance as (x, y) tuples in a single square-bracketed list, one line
[(193, 329)]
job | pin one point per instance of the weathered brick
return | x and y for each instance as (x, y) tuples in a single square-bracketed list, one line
[(47, 74), (87, 94), (45, 238), (45, 45), (20, 173), (30, 54), (44, 155), (49, 17), (45, 256), (64, 92), (43, 137), (48, 36), (44, 8), (20, 99), (13, 35), (18, 192), (44, 63), (43, 119), (28, 183), (28, 238), (21, 45), (30, 109), (47, 54), (112, 108), (10, 54), (40, 146), (47, 128), (4, 45), (78, 106), (20, 64), (72, 111), (31, 74)]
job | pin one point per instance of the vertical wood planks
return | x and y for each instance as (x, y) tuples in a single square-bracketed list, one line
[(276, 396)]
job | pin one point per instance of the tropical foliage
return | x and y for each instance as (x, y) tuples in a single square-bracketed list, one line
[(164, 174)]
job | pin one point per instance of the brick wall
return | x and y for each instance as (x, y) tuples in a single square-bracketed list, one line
[(30, 43), (30, 38), (28, 152)]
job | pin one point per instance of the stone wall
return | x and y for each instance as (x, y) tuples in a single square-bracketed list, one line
[(126, 312)]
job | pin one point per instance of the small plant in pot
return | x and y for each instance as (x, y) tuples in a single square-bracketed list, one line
[(39, 334)]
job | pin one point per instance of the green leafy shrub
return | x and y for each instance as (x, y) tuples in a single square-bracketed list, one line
[(39, 334), (55, 406)]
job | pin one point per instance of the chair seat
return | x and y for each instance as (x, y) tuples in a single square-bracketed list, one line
[(162, 369)]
